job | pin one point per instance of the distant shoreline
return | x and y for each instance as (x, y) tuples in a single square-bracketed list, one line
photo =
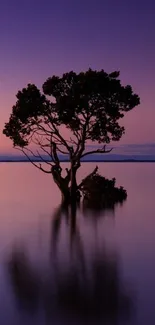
[(84, 161)]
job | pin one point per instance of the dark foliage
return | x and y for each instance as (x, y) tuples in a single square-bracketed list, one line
[(90, 104), (100, 192)]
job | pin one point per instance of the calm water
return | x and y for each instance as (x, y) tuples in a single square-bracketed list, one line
[(54, 271)]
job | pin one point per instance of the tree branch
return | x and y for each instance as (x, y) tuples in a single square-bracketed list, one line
[(33, 163), (46, 151), (54, 153), (44, 160), (63, 152), (97, 151), (38, 156), (57, 133), (81, 144), (67, 177), (40, 127), (77, 134)]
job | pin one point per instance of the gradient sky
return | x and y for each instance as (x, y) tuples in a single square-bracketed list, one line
[(42, 38)]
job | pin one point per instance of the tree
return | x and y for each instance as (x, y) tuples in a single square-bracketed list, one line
[(89, 104)]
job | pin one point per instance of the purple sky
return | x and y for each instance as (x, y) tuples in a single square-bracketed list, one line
[(42, 38)]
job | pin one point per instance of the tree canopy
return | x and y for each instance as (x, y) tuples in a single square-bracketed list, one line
[(89, 104)]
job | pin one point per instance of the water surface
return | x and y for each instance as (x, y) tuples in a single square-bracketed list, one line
[(53, 250)]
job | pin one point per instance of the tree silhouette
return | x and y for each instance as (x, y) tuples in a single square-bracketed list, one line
[(89, 104)]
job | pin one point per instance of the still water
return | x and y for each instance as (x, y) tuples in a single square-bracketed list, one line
[(96, 269)]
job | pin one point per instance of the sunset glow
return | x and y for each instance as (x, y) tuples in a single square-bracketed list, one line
[(38, 41)]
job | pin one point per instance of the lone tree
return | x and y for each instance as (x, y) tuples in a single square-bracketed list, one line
[(89, 105)]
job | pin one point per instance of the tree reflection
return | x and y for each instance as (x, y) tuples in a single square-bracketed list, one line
[(93, 293), (92, 209), (24, 281), (88, 290)]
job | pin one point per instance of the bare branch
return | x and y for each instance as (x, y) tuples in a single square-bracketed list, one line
[(81, 144), (73, 141), (38, 156), (77, 134), (57, 133), (63, 152), (29, 139), (33, 163), (55, 138), (44, 160), (46, 151), (43, 146), (103, 150), (54, 153), (40, 127)]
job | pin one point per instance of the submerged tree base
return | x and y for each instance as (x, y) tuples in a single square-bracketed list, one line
[(100, 192)]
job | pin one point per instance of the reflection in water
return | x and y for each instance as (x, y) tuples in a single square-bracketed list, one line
[(83, 290), (24, 281), (109, 207), (96, 212), (93, 293)]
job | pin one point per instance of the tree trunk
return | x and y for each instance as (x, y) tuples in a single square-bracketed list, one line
[(73, 185), (65, 192), (63, 185), (67, 185)]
